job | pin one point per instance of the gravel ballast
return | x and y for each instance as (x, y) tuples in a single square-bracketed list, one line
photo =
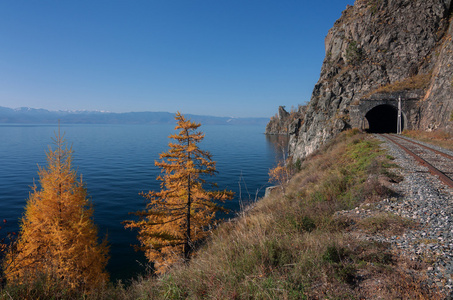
[(424, 199), (428, 202)]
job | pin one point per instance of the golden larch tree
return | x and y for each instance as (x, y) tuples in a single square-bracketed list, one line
[(58, 240), (182, 212), (281, 174)]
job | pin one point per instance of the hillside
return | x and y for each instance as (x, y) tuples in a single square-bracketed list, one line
[(379, 51)]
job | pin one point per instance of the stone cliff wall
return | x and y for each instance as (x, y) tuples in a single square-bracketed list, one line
[(381, 50), (285, 123)]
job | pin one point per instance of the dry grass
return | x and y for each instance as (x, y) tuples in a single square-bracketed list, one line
[(293, 246), (417, 82), (441, 138), (385, 223)]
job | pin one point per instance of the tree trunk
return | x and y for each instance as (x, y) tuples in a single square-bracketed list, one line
[(187, 244)]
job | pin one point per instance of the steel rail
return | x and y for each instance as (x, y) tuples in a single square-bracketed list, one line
[(444, 178), (426, 147)]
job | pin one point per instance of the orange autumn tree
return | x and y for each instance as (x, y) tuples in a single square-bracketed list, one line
[(281, 174), (182, 212), (58, 240)]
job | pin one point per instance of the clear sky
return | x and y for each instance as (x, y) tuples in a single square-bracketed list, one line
[(239, 58)]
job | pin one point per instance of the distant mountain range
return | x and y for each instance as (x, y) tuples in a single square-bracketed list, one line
[(26, 115)]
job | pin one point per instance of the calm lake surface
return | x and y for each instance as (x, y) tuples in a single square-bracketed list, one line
[(117, 162)]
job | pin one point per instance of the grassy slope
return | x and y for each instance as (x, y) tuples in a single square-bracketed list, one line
[(295, 246), (302, 244)]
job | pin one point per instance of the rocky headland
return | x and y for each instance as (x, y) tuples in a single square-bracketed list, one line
[(378, 52)]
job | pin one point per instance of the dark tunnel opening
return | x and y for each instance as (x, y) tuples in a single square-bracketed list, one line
[(383, 119)]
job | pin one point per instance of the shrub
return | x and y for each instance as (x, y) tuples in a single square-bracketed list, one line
[(334, 254), (354, 54)]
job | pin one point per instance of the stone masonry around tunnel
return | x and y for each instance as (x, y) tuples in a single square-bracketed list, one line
[(379, 113)]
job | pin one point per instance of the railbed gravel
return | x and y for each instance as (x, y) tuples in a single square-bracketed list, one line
[(427, 201)]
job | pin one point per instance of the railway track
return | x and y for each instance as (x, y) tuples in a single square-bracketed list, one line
[(438, 163)]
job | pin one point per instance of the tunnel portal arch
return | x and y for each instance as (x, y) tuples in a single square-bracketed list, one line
[(383, 119), (379, 112)]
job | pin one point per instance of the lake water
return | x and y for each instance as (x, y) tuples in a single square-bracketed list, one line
[(117, 162)]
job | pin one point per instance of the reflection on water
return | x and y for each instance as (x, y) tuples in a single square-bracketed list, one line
[(279, 145)]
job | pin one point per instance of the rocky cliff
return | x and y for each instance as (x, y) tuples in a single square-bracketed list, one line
[(379, 52)]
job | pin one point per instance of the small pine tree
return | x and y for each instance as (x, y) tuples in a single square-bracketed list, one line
[(58, 240), (181, 213)]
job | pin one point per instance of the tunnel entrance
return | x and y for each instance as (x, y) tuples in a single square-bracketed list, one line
[(383, 119)]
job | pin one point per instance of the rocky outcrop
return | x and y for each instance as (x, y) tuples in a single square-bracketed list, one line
[(285, 123), (437, 105), (384, 48)]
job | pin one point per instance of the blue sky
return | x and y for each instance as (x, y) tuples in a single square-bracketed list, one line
[(239, 58)]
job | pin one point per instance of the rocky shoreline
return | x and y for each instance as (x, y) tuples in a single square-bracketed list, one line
[(429, 203)]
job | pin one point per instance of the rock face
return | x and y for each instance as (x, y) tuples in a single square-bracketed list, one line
[(286, 123), (278, 123), (379, 51)]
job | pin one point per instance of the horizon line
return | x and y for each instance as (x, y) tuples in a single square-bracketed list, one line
[(128, 112)]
